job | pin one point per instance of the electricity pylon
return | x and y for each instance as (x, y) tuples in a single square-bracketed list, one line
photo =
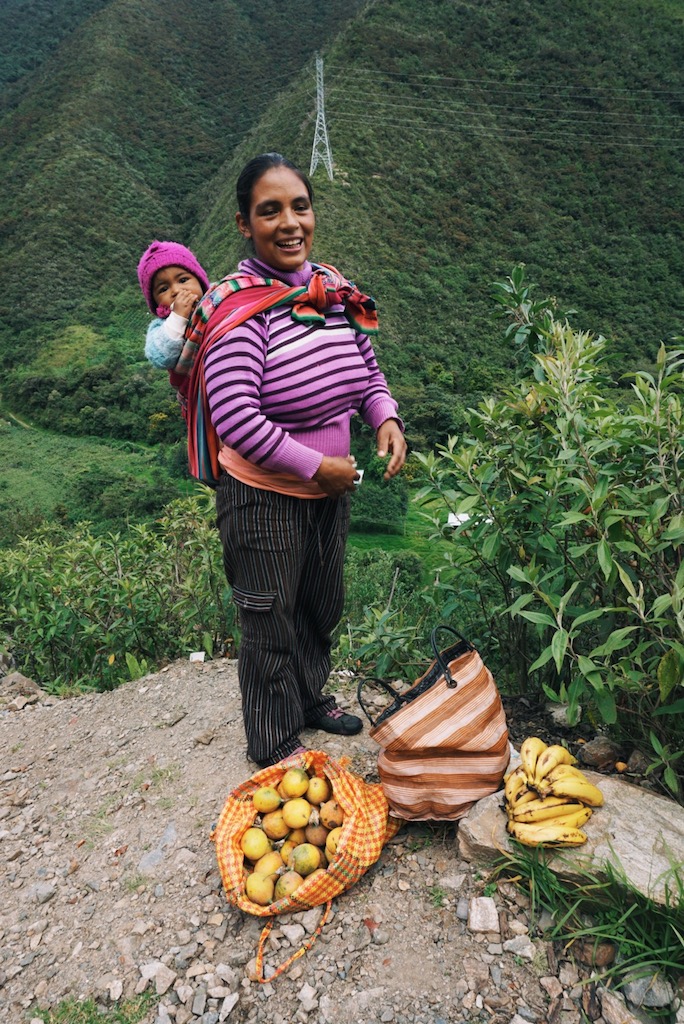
[(321, 145)]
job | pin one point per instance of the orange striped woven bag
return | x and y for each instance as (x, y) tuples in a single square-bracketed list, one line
[(444, 742), (366, 828)]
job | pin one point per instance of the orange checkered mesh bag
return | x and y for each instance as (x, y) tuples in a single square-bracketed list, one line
[(444, 742), (366, 828)]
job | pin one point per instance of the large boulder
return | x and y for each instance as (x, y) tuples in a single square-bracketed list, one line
[(638, 832)]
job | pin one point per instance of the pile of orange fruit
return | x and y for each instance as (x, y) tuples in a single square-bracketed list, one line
[(296, 831)]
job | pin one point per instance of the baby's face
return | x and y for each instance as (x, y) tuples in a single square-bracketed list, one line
[(169, 281)]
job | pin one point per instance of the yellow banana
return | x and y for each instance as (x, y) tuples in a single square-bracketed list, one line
[(558, 772), (552, 756), (531, 750), (541, 810), (546, 834), (577, 789), (523, 796), (514, 783), (575, 819)]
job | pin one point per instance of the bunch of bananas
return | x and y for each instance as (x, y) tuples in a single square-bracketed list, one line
[(546, 798)]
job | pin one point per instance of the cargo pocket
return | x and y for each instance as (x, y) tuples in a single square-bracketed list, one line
[(254, 601)]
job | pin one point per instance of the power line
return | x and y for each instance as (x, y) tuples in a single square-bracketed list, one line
[(428, 105), (499, 84), (518, 133)]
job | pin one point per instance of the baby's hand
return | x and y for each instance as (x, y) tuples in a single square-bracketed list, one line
[(184, 302)]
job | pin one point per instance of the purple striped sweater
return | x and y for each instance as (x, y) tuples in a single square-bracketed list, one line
[(282, 393)]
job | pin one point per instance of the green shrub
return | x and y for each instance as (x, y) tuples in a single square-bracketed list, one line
[(89, 611), (573, 489)]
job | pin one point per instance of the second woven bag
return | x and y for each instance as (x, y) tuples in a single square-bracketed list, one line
[(444, 742)]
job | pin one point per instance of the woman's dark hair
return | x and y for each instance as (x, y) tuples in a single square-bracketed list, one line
[(252, 171)]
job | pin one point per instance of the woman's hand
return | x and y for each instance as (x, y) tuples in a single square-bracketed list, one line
[(336, 475), (391, 442)]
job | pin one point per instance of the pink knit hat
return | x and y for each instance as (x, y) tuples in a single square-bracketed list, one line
[(166, 254)]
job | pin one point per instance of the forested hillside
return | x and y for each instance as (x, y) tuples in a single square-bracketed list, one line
[(466, 137)]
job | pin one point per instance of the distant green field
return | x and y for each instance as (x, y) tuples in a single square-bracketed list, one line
[(108, 483), (70, 479), (415, 538)]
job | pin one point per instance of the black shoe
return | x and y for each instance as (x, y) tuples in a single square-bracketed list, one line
[(338, 722)]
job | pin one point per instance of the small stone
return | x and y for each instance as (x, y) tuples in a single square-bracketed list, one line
[(597, 954), (199, 1003), (552, 986), (42, 892), (522, 946), (294, 933), (307, 997), (311, 919), (228, 1004), (648, 991), (164, 979), (614, 1009), (483, 915), (115, 990), (601, 752), (462, 909)]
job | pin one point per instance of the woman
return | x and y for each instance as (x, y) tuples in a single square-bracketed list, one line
[(281, 388)]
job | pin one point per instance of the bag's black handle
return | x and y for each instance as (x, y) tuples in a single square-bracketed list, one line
[(439, 657), (383, 684)]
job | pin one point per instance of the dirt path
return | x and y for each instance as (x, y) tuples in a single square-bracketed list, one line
[(110, 884)]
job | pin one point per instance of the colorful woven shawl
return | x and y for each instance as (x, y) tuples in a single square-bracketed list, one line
[(234, 300)]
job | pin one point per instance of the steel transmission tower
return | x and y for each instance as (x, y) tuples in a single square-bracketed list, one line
[(321, 145)]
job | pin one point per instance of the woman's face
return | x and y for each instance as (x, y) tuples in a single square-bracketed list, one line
[(281, 220)]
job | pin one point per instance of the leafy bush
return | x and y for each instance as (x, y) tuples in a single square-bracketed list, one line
[(91, 611), (570, 497), (84, 610)]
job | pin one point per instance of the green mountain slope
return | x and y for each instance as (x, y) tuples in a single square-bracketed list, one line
[(477, 136), (119, 127), (466, 137)]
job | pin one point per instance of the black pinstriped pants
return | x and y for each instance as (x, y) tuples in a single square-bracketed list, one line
[(284, 559)]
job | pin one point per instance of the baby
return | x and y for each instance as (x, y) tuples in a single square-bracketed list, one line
[(172, 282)]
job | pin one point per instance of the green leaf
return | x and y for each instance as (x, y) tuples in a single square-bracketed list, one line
[(574, 517), (559, 645), (669, 674), (467, 504), (135, 669), (491, 545), (660, 507), (520, 602), (626, 579), (588, 667), (679, 578), (567, 595), (605, 702), (671, 780), (660, 605), (595, 613), (542, 618), (208, 643), (605, 558), (542, 660), (675, 708), (616, 641)]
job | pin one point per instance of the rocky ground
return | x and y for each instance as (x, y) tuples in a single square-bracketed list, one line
[(111, 888)]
